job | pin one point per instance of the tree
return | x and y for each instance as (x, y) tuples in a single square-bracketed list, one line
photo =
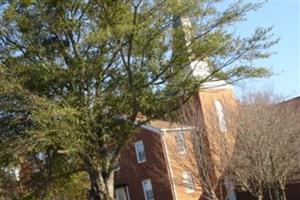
[(267, 145), (88, 70)]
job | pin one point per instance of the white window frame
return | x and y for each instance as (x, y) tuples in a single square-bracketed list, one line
[(180, 142), (136, 146), (144, 182), (188, 181), (221, 116), (123, 190)]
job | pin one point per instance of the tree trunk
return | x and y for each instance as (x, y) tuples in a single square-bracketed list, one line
[(107, 186), (260, 197), (270, 191), (276, 191), (282, 191), (213, 195), (94, 192), (279, 193), (101, 186)]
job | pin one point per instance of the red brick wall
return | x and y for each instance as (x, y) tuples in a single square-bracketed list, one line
[(132, 173)]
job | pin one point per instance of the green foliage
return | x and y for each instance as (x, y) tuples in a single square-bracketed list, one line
[(77, 75), (75, 187)]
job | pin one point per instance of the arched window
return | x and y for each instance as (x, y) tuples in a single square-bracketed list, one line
[(221, 117), (179, 138)]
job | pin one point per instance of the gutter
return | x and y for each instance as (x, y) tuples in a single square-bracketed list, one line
[(164, 130), (170, 172)]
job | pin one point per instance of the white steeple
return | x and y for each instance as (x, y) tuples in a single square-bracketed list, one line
[(198, 68)]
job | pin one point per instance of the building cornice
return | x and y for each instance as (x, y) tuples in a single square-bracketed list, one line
[(165, 130)]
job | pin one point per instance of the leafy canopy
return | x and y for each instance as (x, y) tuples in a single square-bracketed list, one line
[(78, 77)]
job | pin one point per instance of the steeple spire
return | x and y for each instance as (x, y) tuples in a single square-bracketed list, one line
[(198, 68)]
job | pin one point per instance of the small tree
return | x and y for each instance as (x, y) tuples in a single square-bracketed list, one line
[(267, 145)]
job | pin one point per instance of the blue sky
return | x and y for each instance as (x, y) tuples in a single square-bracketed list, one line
[(284, 16)]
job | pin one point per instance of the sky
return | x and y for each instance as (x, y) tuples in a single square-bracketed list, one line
[(284, 16)]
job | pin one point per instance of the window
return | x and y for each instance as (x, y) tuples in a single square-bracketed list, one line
[(230, 189), (220, 115), (232, 196), (140, 151), (41, 156), (121, 193), (148, 191), (179, 137), (13, 171), (188, 181)]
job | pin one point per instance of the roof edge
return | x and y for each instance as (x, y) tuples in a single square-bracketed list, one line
[(152, 129), (163, 130)]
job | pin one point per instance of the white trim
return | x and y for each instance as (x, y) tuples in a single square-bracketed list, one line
[(162, 130), (127, 192), (216, 84), (122, 190), (177, 129), (165, 148)]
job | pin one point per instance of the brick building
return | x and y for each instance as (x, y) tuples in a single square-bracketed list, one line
[(160, 163)]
